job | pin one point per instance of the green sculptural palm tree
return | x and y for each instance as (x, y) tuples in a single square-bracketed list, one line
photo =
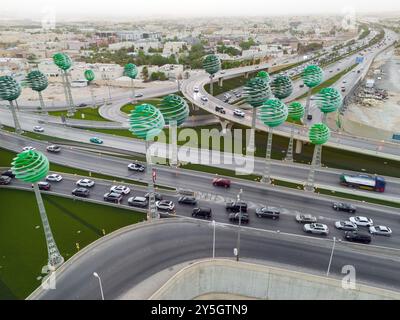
[(211, 64), (131, 71), (10, 90), (89, 76), (146, 122), (64, 62), (312, 76), (38, 82), (296, 113), (32, 166)]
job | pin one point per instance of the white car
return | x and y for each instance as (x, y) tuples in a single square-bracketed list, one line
[(196, 89), (54, 177), (38, 129), (380, 230), (87, 183), (120, 189), (316, 228), (136, 167), (204, 98), (239, 113), (165, 205), (346, 225), (28, 148), (362, 221)]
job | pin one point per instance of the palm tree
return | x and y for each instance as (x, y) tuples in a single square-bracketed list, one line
[(282, 87), (211, 64), (175, 111), (319, 134), (89, 76), (312, 76), (328, 100), (64, 62), (146, 122), (272, 113), (37, 81), (32, 166), (296, 113), (131, 71), (256, 92), (10, 90)]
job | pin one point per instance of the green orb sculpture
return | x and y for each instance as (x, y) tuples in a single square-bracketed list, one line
[(273, 112), (30, 166), (264, 75), (282, 87), (9, 88), (211, 64), (146, 121), (312, 76), (37, 81), (319, 133), (329, 100), (62, 60), (174, 108), (256, 91), (296, 111), (130, 70), (89, 75)]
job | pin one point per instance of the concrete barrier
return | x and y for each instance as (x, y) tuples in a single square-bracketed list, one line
[(222, 276)]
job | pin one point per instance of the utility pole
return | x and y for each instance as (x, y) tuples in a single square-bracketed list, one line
[(240, 223)]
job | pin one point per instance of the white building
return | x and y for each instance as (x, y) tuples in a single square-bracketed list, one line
[(173, 47)]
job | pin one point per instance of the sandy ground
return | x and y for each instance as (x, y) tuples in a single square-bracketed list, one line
[(382, 114)]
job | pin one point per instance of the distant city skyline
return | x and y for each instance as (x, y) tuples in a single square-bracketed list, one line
[(25, 9)]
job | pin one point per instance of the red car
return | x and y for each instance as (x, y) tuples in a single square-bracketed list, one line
[(44, 185), (221, 182)]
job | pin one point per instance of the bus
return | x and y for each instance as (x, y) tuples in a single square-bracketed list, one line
[(363, 181)]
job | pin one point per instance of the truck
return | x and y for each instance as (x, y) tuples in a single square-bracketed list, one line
[(363, 181)]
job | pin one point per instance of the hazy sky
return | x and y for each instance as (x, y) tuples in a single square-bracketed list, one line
[(132, 8)]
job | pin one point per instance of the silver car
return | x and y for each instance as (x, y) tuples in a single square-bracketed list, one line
[(316, 228), (346, 225), (305, 218), (380, 230)]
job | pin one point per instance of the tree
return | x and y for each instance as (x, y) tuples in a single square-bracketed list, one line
[(145, 73)]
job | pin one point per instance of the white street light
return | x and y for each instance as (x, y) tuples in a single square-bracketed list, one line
[(95, 274), (213, 252), (330, 259)]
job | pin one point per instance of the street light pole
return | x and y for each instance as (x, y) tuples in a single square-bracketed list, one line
[(213, 251), (330, 259), (240, 223), (95, 274)]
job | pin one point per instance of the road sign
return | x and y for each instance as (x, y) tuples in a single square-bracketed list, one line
[(359, 59)]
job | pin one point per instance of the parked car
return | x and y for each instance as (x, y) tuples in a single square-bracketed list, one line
[(221, 182), (316, 228), (96, 140), (165, 205), (244, 217), (202, 212), (8, 173), (81, 192), (120, 189), (38, 129), (157, 196), (113, 197), (187, 200), (305, 218), (355, 236), (268, 212), (220, 109), (238, 113), (346, 225), (53, 148), (136, 167), (362, 221), (141, 202), (4, 180), (236, 206), (380, 230), (54, 177), (87, 183), (341, 206), (44, 185)]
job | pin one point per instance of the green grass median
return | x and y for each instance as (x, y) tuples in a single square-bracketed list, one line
[(75, 224), (88, 113)]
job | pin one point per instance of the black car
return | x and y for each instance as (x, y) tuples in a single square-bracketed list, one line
[(8, 173), (44, 185), (81, 192), (236, 206), (341, 206), (82, 105), (187, 200), (157, 196), (244, 217), (309, 117), (5, 180), (268, 212), (355, 236), (202, 212), (113, 197), (53, 148), (220, 109)]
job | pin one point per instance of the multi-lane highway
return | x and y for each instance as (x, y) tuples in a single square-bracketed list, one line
[(130, 256)]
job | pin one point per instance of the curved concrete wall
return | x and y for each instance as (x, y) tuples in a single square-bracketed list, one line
[(259, 281)]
